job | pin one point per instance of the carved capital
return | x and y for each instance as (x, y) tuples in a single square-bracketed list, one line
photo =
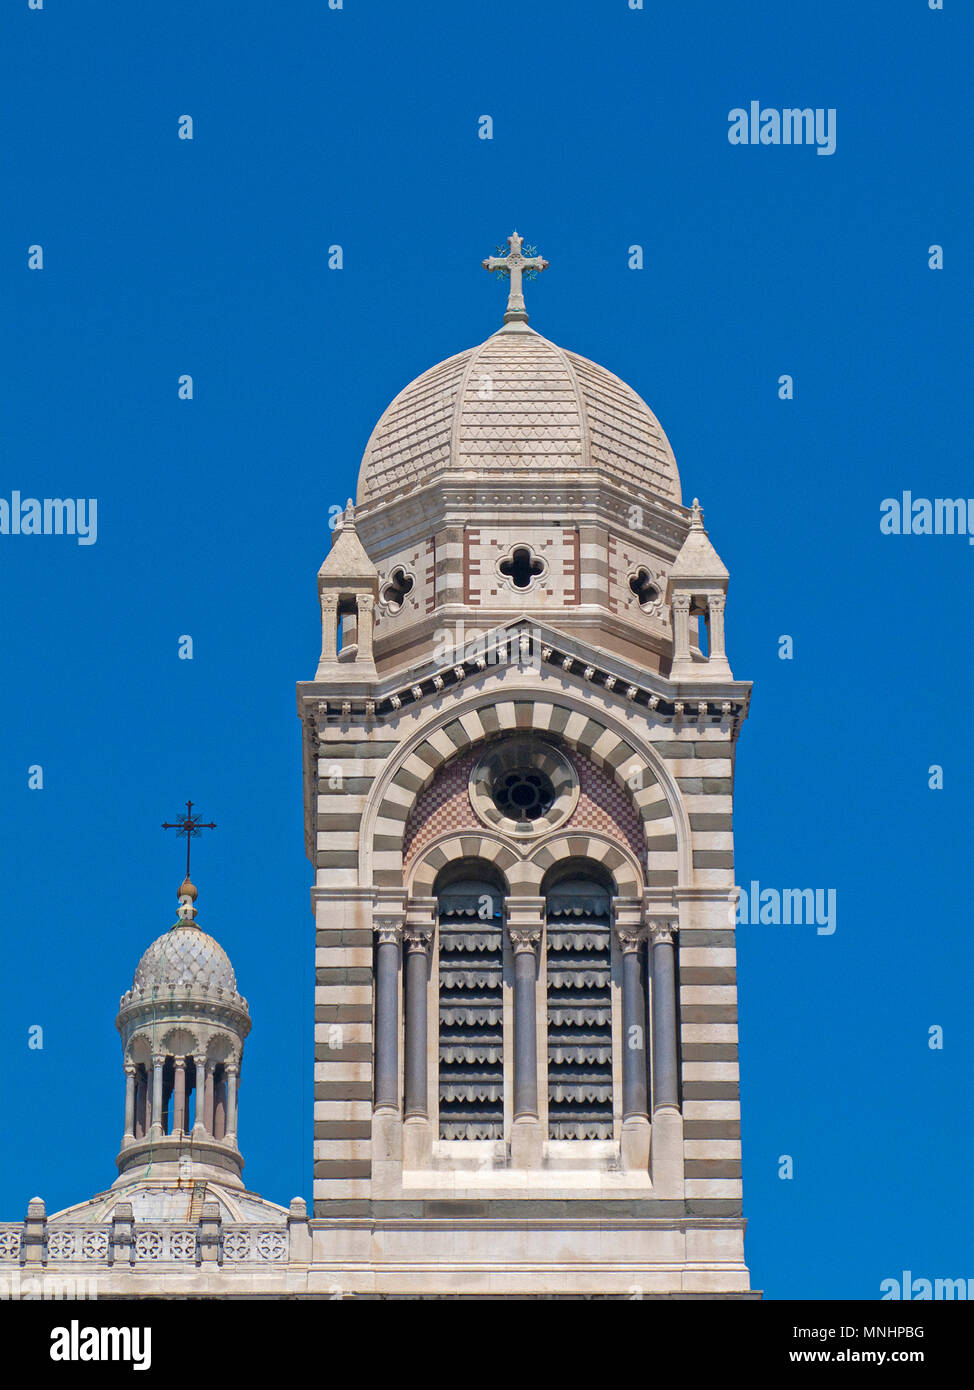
[(681, 602), (524, 938), (662, 931), (388, 930), (629, 937), (417, 938)]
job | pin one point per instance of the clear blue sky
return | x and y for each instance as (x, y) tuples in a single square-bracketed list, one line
[(209, 257)]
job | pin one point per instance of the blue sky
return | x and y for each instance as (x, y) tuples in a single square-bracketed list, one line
[(359, 127)]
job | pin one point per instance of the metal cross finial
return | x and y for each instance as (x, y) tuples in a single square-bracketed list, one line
[(190, 827), (515, 264)]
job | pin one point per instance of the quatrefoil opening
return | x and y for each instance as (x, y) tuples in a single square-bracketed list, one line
[(646, 590), (395, 591), (522, 567)]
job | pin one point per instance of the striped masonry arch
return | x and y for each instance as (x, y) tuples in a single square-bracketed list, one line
[(572, 722)]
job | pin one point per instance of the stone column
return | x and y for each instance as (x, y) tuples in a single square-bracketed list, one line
[(417, 943), (179, 1096), (231, 1125), (329, 627), (630, 935), (665, 1080), (199, 1123), (681, 627), (716, 607), (158, 1060), (410, 1146), (666, 1143), (525, 945), (525, 918), (388, 944), (129, 1135), (365, 606), (208, 1100)]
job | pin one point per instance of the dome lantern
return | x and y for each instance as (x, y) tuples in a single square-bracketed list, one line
[(183, 1025)]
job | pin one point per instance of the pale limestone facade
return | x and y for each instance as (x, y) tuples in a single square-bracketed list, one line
[(518, 754)]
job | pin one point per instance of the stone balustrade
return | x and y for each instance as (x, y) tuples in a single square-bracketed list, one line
[(117, 1242)]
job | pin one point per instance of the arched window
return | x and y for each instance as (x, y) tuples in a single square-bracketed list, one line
[(471, 1006), (579, 964)]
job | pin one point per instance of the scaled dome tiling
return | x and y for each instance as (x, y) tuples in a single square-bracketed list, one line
[(184, 955), (517, 404)]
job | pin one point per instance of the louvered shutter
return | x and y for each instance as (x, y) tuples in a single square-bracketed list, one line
[(579, 1012), (471, 1060)]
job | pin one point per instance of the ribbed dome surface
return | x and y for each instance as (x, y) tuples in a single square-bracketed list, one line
[(517, 406), (184, 955)]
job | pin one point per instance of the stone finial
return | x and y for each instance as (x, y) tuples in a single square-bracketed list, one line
[(187, 896)]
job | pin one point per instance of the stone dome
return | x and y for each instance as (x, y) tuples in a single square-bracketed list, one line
[(517, 406), (184, 955)]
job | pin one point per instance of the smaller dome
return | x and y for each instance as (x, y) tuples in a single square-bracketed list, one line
[(184, 955)]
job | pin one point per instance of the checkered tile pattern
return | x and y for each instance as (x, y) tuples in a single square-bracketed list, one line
[(444, 808)]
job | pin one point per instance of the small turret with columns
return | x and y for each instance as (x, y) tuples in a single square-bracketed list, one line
[(348, 586), (183, 1026), (697, 588)]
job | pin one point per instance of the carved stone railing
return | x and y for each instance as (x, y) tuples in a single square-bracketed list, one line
[(11, 1240), (159, 1244), (151, 1243), (74, 1244), (254, 1244)]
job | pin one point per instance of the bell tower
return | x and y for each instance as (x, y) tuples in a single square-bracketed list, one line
[(519, 750)]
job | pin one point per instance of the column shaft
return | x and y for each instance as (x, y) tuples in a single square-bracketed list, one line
[(231, 1126), (665, 1084), (199, 1072), (417, 1100), (179, 1096), (156, 1111), (129, 1102), (525, 1034), (387, 1022), (634, 1072)]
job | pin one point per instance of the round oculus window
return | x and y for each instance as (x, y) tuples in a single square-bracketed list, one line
[(526, 794), (523, 786)]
